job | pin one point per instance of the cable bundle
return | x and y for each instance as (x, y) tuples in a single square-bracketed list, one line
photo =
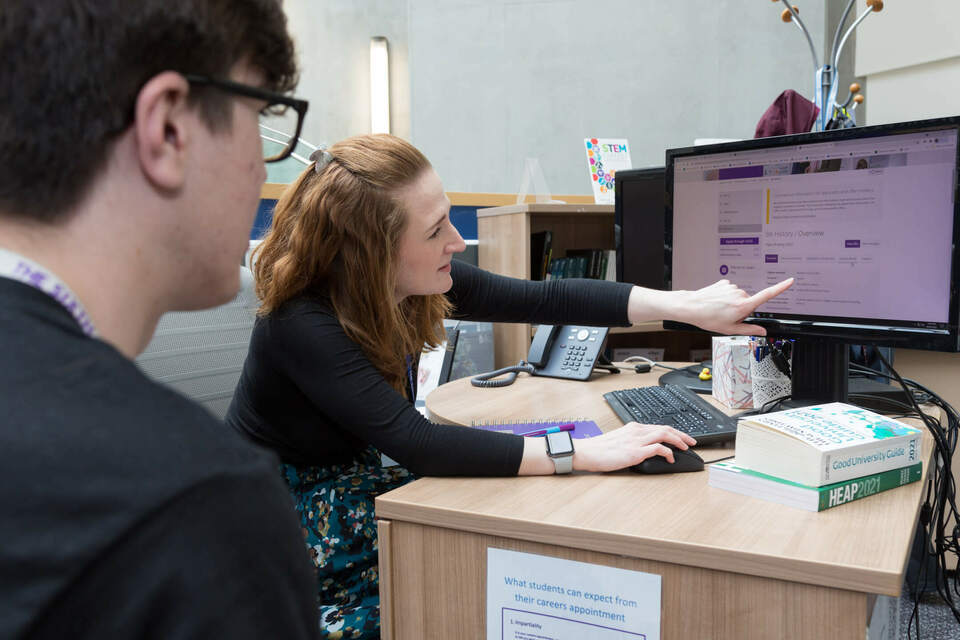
[(939, 505)]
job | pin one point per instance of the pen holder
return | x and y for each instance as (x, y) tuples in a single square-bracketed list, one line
[(769, 383)]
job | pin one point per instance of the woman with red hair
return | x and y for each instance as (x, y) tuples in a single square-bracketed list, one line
[(355, 277)]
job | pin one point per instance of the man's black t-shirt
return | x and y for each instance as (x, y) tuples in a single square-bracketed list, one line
[(309, 392), (127, 510)]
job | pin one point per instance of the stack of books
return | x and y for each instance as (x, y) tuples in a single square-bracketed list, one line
[(819, 457), (598, 264)]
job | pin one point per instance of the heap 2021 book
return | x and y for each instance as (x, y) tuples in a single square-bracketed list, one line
[(727, 475), (825, 444)]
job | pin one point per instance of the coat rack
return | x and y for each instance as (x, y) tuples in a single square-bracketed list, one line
[(832, 115)]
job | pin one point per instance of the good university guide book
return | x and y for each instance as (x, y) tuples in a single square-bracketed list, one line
[(824, 444)]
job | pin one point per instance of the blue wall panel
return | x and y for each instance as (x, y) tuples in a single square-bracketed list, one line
[(463, 218)]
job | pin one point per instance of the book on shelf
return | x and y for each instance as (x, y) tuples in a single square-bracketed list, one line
[(585, 257), (557, 269), (592, 261), (575, 266), (596, 269), (610, 265), (599, 264), (602, 266), (824, 444), (540, 249), (727, 475)]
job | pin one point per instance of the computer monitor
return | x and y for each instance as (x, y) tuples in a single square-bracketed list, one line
[(639, 226), (865, 219)]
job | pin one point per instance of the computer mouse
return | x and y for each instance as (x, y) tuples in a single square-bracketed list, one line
[(684, 460)]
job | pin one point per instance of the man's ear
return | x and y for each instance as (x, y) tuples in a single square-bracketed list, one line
[(162, 128)]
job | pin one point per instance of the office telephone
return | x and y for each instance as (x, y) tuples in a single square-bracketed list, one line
[(567, 351), (557, 351)]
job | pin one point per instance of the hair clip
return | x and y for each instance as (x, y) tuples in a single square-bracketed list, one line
[(321, 157)]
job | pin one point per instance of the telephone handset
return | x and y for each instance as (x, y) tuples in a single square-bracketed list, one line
[(567, 351), (542, 341)]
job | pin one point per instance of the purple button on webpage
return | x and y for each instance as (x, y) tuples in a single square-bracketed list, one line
[(734, 173), (754, 240), (851, 244), (771, 257)]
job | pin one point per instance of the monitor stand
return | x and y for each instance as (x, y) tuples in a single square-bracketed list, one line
[(821, 374)]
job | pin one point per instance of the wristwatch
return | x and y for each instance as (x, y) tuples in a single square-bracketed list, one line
[(560, 450)]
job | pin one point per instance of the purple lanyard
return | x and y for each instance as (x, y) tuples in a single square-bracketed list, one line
[(16, 267), (413, 387)]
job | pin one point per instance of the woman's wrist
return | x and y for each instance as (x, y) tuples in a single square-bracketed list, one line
[(646, 305), (583, 455), (535, 461)]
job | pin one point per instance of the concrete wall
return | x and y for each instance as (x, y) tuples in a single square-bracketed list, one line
[(333, 41), (496, 81), (480, 85), (910, 55), (333, 45)]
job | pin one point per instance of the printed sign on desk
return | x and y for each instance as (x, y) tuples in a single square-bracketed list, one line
[(606, 156), (534, 597)]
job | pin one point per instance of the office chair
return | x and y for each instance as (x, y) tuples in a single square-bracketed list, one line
[(201, 353)]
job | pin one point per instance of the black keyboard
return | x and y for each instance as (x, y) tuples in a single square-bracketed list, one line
[(676, 406)]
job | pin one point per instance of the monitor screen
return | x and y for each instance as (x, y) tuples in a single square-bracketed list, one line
[(864, 219), (639, 223)]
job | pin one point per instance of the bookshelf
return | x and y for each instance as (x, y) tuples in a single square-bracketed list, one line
[(504, 247)]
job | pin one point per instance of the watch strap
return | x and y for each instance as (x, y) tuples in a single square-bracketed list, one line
[(563, 464)]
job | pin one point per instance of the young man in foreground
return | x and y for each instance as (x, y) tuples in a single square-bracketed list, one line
[(130, 171)]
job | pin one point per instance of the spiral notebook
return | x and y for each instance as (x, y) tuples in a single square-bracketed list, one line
[(582, 429)]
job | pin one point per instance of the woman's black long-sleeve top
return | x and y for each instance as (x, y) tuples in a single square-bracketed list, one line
[(309, 393)]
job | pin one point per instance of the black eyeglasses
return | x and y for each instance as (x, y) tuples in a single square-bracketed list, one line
[(274, 113)]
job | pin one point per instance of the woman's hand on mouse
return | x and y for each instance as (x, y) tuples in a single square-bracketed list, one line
[(629, 445)]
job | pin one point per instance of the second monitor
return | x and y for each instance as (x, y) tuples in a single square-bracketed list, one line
[(639, 214)]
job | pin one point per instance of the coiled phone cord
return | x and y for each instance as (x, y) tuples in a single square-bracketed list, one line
[(486, 379)]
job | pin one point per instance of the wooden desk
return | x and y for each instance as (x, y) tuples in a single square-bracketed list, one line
[(731, 566)]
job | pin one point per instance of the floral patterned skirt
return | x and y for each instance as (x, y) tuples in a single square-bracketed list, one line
[(335, 506)]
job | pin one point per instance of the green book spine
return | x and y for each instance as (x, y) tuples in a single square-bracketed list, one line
[(833, 495), (577, 265), (727, 475), (602, 271)]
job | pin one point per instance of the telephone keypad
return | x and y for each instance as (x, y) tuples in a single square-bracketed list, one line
[(573, 356)]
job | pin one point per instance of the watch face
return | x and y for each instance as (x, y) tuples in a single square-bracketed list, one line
[(559, 444)]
